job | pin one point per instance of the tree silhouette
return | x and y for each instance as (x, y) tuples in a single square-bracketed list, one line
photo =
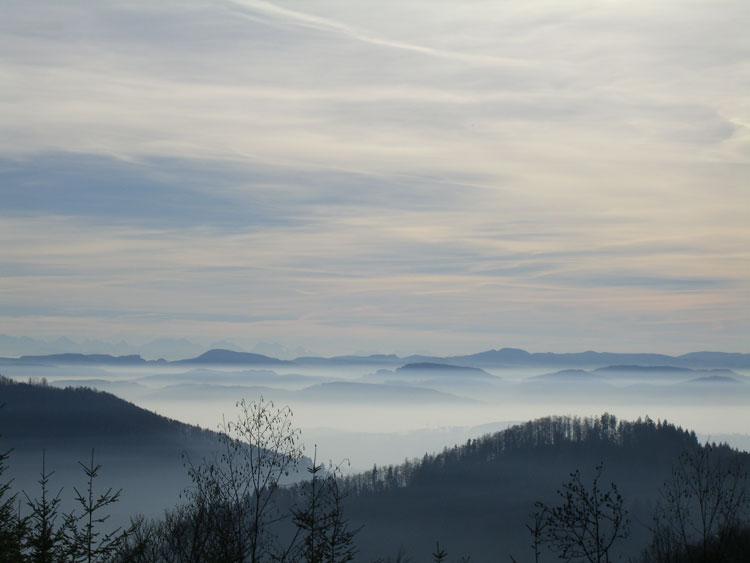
[(439, 555), (44, 541), (326, 534), (234, 492), (537, 530), (702, 507), (85, 542), (12, 528), (588, 522)]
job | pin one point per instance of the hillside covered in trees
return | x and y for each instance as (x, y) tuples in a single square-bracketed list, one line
[(140, 451), (476, 499)]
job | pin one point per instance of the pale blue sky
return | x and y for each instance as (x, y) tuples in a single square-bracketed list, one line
[(444, 176)]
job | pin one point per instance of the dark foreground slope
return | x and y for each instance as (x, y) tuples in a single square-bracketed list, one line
[(140, 451), (475, 499)]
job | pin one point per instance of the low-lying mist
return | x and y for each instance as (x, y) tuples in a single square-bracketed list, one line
[(370, 414)]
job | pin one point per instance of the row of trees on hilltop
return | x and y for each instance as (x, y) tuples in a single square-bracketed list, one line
[(600, 437)]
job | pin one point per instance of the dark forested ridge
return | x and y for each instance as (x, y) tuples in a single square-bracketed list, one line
[(140, 451), (41, 415), (565, 436), (476, 498)]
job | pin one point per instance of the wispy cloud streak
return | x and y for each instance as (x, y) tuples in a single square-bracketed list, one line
[(332, 26)]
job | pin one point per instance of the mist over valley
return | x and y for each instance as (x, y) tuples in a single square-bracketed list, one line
[(383, 409)]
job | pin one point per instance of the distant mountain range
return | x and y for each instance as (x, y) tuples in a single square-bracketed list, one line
[(503, 358), (516, 357), (167, 348)]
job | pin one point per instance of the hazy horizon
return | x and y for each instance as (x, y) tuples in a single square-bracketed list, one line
[(182, 348)]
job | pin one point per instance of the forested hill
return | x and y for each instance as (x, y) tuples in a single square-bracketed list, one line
[(140, 451), (562, 436), (476, 498), (38, 415)]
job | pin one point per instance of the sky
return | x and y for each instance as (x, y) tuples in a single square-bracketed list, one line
[(435, 176)]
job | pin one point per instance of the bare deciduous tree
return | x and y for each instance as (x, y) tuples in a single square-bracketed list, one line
[(588, 522), (703, 503), (236, 489)]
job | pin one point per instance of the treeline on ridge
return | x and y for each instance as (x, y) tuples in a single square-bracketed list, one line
[(601, 437)]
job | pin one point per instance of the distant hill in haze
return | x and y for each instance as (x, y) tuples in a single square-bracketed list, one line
[(212, 357), (714, 379), (517, 357), (567, 376), (443, 369), (715, 359), (464, 381), (219, 356), (169, 348), (244, 377), (373, 359), (334, 392), (661, 370), (644, 369), (365, 393)]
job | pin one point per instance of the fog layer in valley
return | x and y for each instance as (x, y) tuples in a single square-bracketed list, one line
[(382, 411)]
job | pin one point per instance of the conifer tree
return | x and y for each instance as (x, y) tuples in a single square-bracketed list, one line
[(85, 541), (326, 534), (12, 527), (439, 555), (44, 541)]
